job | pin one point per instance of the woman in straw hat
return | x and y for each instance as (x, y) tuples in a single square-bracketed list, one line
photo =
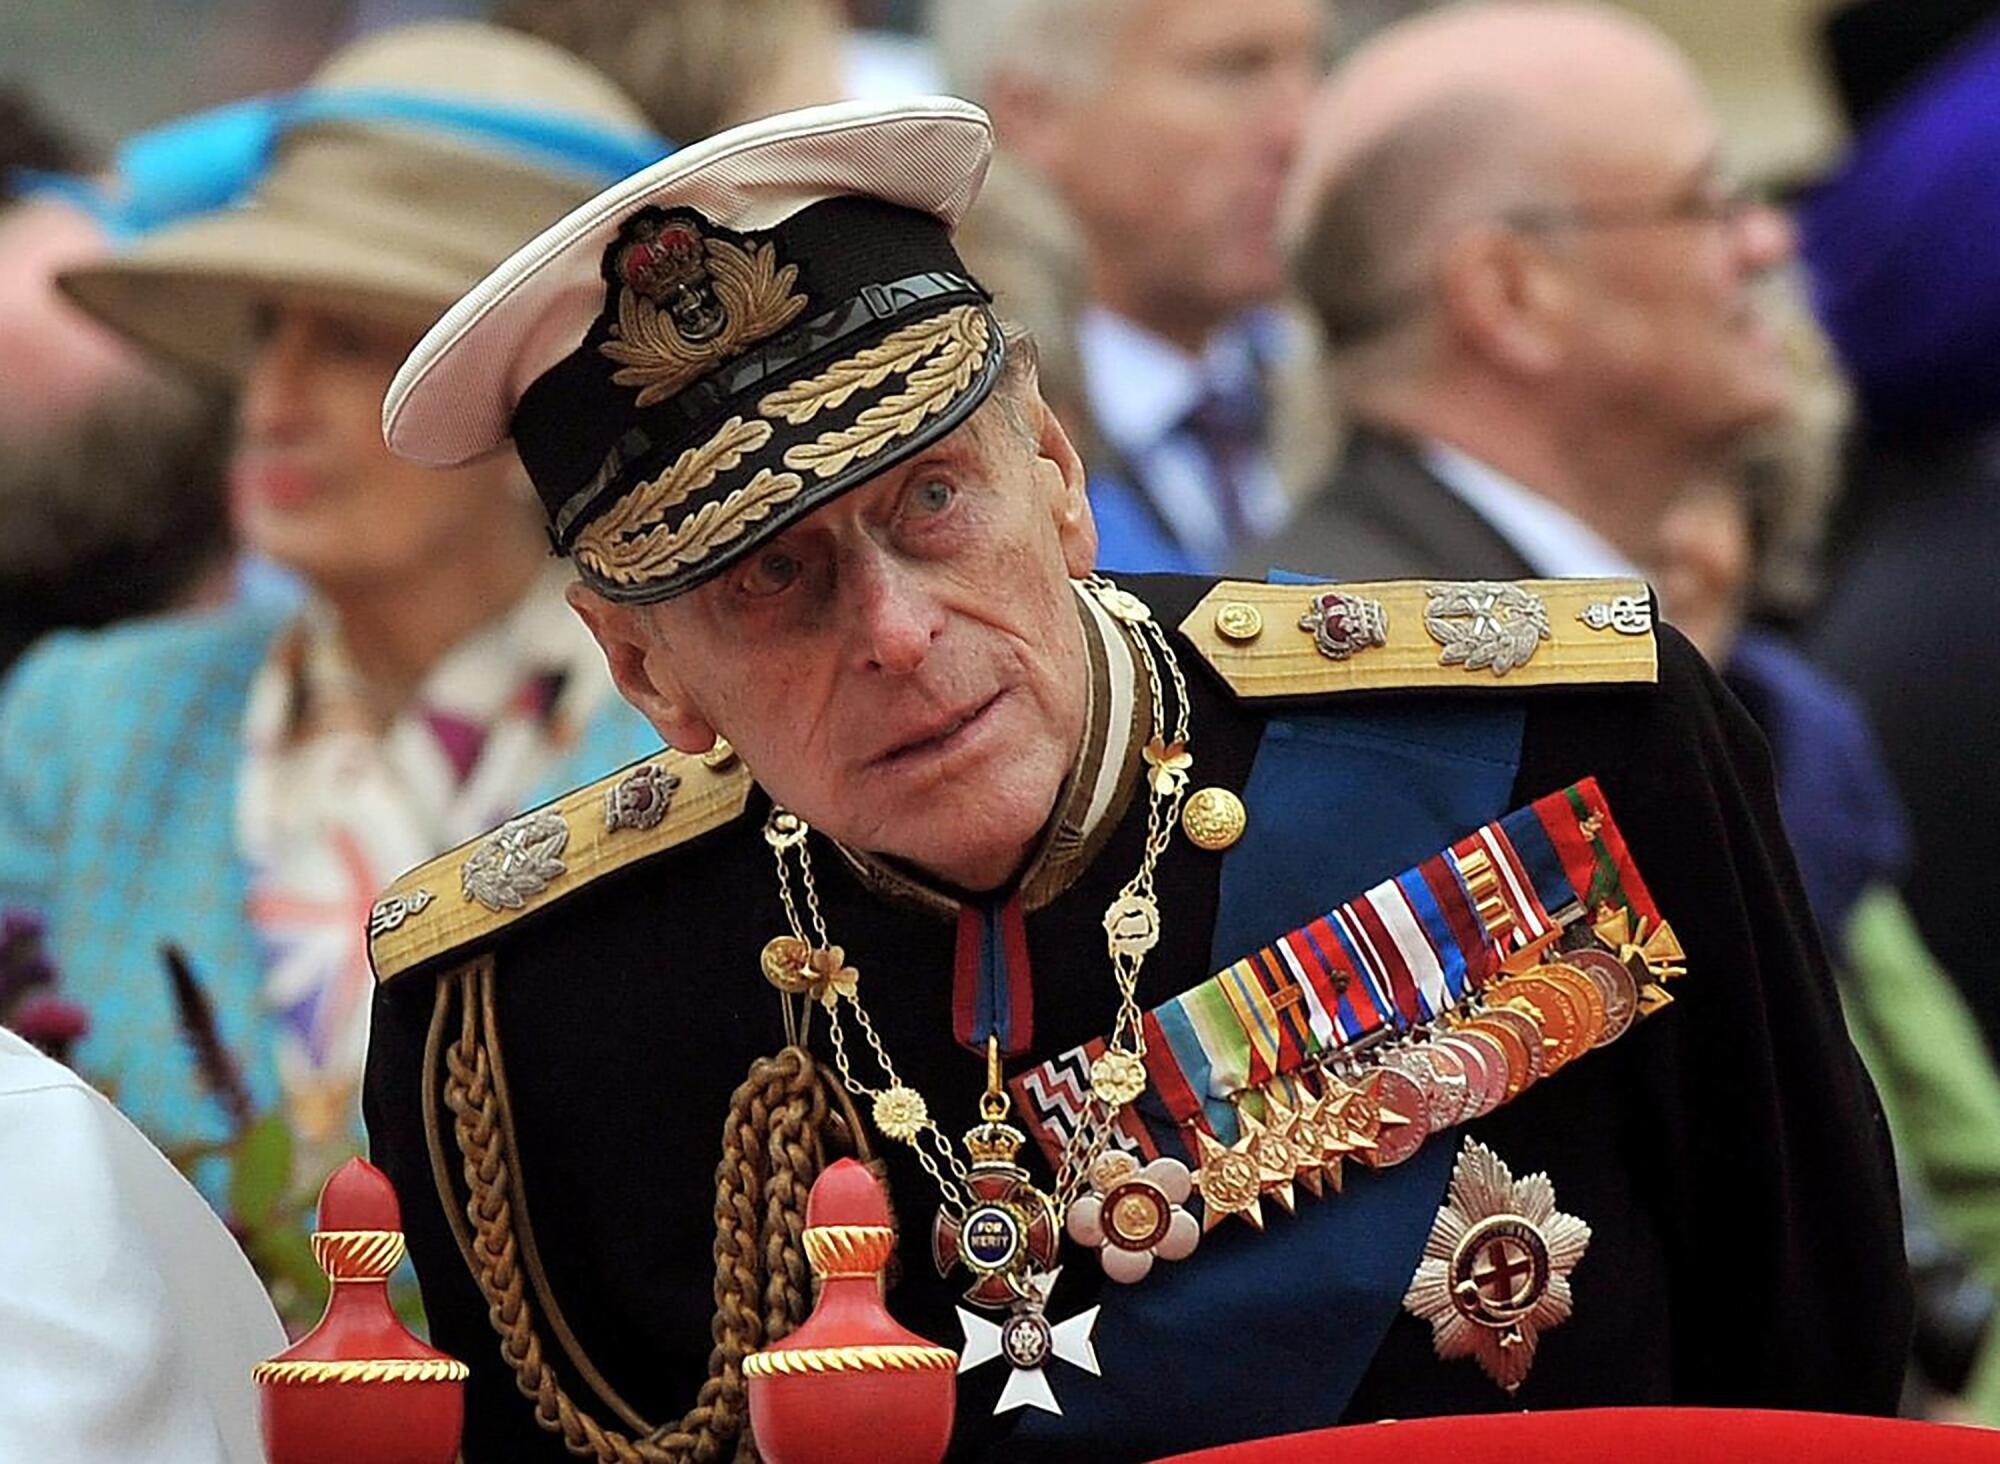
[(238, 785)]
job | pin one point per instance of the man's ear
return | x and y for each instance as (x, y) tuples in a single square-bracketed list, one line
[(641, 668), (1076, 526), (1505, 300)]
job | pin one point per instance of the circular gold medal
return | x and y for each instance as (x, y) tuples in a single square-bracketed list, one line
[(1441, 1074), (1589, 998), (1512, 1036), (1522, 1025), (1615, 984), (1555, 1010), (1485, 1070), (1398, 1108)]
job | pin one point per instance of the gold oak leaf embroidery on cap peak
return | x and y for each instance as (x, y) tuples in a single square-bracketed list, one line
[(956, 343), (632, 542)]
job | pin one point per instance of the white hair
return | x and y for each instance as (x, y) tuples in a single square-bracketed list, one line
[(1057, 42)]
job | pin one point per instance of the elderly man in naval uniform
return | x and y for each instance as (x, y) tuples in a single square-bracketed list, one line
[(1356, 1000)]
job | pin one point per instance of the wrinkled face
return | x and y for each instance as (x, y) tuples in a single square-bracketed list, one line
[(903, 668), (1174, 163), (1667, 321), (313, 486)]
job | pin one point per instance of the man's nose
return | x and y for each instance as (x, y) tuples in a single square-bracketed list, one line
[(1766, 238), (898, 616)]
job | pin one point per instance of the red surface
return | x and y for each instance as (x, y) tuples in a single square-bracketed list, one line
[(355, 1422), (358, 1196), (1627, 1435), (851, 1418)]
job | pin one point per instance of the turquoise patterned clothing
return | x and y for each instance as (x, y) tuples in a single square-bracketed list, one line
[(120, 757)]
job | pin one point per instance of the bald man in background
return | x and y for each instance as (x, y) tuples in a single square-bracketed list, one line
[(1539, 285)]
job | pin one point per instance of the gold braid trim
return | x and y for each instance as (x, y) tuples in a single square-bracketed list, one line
[(386, 1370), (849, 1250), (358, 1255), (898, 351), (632, 540), (849, 1359), (715, 524), (959, 339), (773, 1147)]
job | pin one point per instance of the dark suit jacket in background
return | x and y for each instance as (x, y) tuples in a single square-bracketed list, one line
[(1384, 515)]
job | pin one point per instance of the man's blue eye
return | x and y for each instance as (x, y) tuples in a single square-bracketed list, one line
[(934, 496)]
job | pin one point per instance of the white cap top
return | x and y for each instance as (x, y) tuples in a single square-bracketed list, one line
[(454, 398)]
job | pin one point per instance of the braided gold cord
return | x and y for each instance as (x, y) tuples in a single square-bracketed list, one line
[(773, 1147)]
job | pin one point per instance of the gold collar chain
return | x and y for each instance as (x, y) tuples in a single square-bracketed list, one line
[(808, 968)]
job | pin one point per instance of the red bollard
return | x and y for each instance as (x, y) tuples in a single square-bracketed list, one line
[(361, 1388), (850, 1386)]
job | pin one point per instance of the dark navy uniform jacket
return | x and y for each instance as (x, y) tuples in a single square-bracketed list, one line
[(1727, 1154)]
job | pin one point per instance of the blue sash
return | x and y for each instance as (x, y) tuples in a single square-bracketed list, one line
[(1262, 1334)]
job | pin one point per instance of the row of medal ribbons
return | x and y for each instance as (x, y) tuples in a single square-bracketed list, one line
[(1424, 1003)]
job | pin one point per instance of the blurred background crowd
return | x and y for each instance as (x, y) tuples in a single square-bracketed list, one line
[(1701, 291)]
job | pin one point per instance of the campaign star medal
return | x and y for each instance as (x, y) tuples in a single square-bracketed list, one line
[(1029, 1341), (1230, 1180), (1302, 1143), (1495, 1272), (1277, 1161), (1322, 1127)]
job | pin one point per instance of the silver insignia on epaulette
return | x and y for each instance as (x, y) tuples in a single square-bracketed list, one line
[(1627, 614), (389, 914), (1485, 626), (517, 861)]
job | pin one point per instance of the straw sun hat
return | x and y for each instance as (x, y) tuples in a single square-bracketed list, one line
[(414, 162)]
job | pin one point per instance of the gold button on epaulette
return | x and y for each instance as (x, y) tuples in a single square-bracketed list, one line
[(548, 854), (1238, 621), (1440, 635)]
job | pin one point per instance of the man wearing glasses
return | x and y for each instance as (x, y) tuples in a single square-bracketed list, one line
[(1539, 289)]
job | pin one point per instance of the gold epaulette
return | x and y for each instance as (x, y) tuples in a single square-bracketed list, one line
[(551, 852), (1302, 640)]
